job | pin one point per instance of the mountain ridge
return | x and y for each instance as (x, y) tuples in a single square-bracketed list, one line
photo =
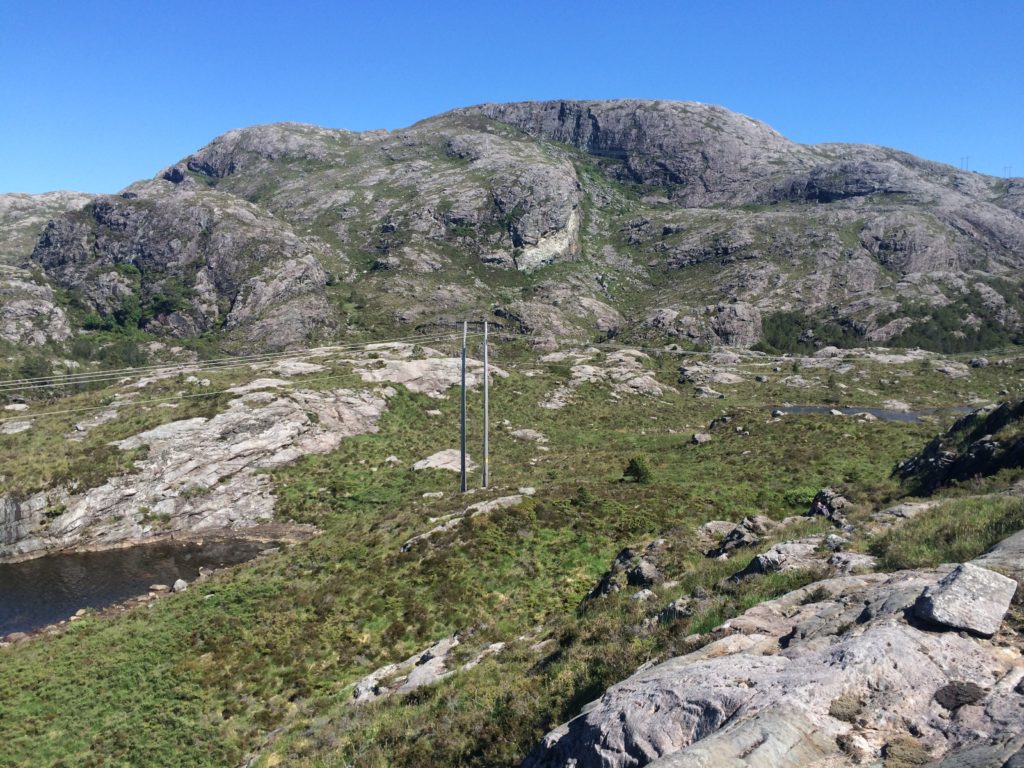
[(559, 219)]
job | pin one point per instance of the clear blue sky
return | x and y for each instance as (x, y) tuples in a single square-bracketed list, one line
[(94, 95)]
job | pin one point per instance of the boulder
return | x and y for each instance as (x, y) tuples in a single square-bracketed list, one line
[(643, 574), (709, 534), (637, 568), (970, 597), (835, 542), (747, 533), (707, 393), (529, 435), (677, 609), (830, 504), (179, 586), (447, 459), (787, 556), (700, 438)]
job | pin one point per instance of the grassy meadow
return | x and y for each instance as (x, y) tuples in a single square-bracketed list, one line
[(263, 656)]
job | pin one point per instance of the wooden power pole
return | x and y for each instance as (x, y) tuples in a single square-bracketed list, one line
[(462, 413)]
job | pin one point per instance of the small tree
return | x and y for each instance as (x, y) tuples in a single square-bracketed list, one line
[(638, 470), (583, 497)]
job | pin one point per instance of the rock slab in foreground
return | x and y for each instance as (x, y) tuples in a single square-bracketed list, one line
[(971, 598), (763, 691)]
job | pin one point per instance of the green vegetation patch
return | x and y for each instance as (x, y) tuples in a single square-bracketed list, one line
[(203, 677), (953, 532)]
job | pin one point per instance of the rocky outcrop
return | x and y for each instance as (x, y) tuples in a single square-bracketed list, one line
[(636, 568), (697, 150), (831, 505), (29, 312), (811, 679), (449, 459), (749, 532), (427, 667), (623, 370), (432, 376), (195, 474), (452, 521), (977, 445), (182, 262), (262, 234), (22, 218)]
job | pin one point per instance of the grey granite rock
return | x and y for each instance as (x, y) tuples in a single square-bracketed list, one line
[(971, 598), (197, 474), (259, 234), (762, 692)]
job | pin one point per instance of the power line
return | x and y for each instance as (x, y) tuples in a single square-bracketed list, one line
[(239, 359), (152, 401), (226, 363)]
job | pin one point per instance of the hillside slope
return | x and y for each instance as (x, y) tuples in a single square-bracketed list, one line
[(555, 219)]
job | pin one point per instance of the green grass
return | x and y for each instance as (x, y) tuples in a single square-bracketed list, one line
[(201, 678), (43, 457), (953, 532)]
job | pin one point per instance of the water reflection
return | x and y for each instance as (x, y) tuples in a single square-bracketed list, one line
[(42, 591)]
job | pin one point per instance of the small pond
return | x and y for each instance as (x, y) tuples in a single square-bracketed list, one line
[(38, 592)]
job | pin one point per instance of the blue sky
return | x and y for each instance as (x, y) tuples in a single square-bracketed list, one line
[(95, 95)]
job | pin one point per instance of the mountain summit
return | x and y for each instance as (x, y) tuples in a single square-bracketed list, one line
[(558, 219)]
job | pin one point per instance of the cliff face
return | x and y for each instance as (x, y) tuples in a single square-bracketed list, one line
[(185, 263), (655, 218)]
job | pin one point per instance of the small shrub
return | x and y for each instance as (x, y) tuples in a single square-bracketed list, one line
[(52, 513), (193, 491), (800, 497), (846, 708), (904, 752), (583, 499), (638, 470)]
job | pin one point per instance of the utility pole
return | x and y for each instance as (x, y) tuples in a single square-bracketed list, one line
[(462, 416), (487, 412)]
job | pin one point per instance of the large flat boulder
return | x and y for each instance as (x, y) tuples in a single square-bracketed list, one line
[(971, 598)]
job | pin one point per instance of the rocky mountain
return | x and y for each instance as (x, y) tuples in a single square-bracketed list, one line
[(564, 219), (29, 311)]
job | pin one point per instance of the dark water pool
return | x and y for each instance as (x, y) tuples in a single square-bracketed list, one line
[(45, 590)]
